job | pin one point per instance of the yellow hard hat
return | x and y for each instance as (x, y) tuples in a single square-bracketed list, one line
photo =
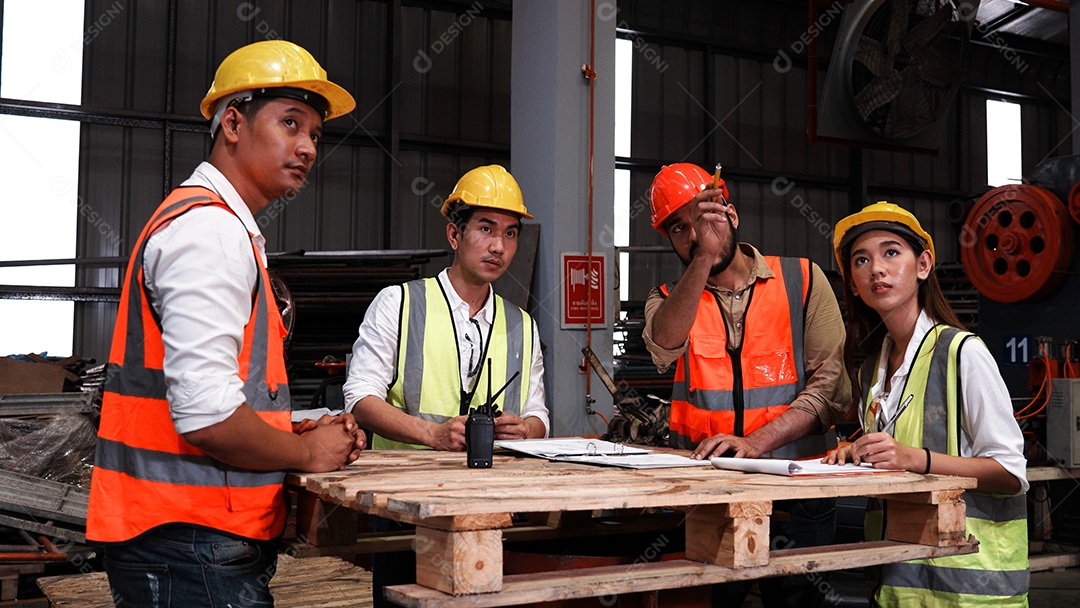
[(488, 186), (276, 64), (881, 215)]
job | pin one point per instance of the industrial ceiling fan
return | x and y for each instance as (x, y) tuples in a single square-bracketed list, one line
[(894, 72)]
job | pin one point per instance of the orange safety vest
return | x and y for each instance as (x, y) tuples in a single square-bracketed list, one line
[(145, 473), (737, 391)]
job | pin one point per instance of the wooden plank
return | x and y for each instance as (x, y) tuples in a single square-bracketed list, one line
[(407, 465), (735, 535), (539, 497), (1054, 561), (614, 580), (344, 489), (673, 493), (1051, 473), (459, 562), (482, 521), (299, 583), (372, 542), (321, 523), (368, 488), (927, 524), (52, 531), (927, 498), (9, 585)]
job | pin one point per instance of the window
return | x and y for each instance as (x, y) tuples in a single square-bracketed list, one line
[(623, 86), (40, 171), (624, 56), (1003, 147)]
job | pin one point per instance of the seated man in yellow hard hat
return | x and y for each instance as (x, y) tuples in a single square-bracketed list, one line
[(757, 342), (450, 328), (196, 433), (426, 348)]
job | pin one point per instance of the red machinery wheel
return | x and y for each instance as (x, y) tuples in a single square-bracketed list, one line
[(1074, 202), (1017, 243)]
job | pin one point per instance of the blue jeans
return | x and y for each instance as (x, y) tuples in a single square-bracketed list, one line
[(180, 566)]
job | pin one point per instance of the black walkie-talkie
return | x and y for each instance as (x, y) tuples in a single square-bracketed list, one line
[(479, 437), (480, 426), (480, 431)]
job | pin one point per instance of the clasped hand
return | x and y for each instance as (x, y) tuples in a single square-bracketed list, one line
[(334, 441)]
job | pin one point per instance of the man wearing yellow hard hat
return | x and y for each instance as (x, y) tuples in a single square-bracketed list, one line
[(196, 432), (429, 349)]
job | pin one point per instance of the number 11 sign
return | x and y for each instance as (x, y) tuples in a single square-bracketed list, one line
[(583, 290)]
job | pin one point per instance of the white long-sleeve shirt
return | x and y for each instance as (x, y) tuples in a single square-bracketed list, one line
[(375, 352), (200, 273), (987, 426)]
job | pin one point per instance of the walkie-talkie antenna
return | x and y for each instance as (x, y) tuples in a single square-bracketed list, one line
[(488, 412)]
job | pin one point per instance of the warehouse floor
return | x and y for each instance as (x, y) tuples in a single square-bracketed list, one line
[(1057, 589), (1049, 589)]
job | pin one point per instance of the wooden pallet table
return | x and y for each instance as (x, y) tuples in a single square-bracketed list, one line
[(461, 514)]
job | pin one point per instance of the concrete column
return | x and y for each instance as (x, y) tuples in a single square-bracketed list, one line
[(550, 159)]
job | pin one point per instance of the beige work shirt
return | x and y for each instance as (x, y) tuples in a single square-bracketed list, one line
[(828, 391)]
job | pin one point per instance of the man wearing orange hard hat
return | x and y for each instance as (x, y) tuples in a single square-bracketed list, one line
[(430, 350), (196, 432), (757, 342)]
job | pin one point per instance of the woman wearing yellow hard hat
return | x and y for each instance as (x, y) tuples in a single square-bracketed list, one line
[(931, 400)]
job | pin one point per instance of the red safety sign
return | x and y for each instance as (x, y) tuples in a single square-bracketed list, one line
[(583, 282)]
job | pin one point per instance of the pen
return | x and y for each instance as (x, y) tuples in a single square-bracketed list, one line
[(864, 420), (716, 181), (898, 412)]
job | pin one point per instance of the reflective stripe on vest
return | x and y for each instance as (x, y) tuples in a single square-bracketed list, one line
[(998, 574), (145, 473), (770, 363), (427, 379)]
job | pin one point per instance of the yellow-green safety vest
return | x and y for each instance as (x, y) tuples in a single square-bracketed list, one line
[(427, 376), (998, 574)]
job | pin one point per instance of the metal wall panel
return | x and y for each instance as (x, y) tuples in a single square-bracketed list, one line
[(147, 70), (1047, 134), (426, 180), (418, 126), (455, 73), (753, 118)]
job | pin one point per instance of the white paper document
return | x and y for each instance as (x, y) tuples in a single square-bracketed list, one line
[(597, 452), (315, 414), (775, 466)]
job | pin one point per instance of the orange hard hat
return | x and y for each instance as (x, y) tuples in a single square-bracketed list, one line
[(674, 186)]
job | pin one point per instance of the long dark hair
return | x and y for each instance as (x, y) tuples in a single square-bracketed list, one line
[(865, 327)]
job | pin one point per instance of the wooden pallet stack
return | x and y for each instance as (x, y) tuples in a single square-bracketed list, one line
[(461, 515)]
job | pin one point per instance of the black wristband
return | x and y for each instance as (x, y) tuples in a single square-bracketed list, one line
[(927, 471)]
